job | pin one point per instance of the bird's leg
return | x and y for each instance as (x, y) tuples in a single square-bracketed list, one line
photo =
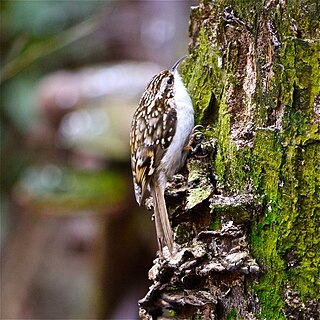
[(195, 136), (194, 145)]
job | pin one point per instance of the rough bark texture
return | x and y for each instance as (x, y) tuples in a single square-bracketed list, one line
[(246, 217)]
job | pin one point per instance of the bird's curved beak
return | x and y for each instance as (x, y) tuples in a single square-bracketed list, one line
[(177, 63)]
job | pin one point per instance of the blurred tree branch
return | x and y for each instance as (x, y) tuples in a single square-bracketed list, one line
[(48, 46)]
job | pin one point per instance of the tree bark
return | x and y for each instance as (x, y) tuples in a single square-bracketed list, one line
[(246, 216)]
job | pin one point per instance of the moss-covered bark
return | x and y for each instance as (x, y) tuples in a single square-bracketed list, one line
[(254, 79), (265, 117)]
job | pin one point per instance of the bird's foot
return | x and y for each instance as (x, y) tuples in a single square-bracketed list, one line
[(194, 145)]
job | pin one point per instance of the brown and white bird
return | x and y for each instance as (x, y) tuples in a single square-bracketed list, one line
[(160, 131)]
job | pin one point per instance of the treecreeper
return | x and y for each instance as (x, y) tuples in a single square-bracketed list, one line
[(160, 139)]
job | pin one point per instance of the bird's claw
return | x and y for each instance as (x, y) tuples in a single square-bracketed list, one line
[(199, 151), (194, 145)]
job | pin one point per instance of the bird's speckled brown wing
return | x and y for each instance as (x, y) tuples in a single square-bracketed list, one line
[(152, 132)]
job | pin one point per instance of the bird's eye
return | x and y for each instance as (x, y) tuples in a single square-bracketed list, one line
[(169, 81)]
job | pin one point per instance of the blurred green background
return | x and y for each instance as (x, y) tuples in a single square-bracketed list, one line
[(74, 244)]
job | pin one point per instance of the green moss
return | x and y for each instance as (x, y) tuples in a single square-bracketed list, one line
[(197, 195), (286, 174), (223, 149), (284, 162), (230, 163), (289, 223), (201, 72), (270, 298), (300, 204), (197, 317), (232, 315), (216, 223), (172, 313), (198, 175)]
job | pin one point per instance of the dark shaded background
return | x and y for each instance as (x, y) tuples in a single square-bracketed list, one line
[(74, 244)]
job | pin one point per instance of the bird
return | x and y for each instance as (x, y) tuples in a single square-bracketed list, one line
[(160, 134)]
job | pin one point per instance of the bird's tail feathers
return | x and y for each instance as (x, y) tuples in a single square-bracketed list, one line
[(163, 228)]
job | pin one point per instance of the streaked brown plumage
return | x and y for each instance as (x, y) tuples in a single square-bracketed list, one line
[(161, 127)]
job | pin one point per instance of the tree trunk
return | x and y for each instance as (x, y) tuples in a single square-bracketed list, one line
[(246, 216)]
